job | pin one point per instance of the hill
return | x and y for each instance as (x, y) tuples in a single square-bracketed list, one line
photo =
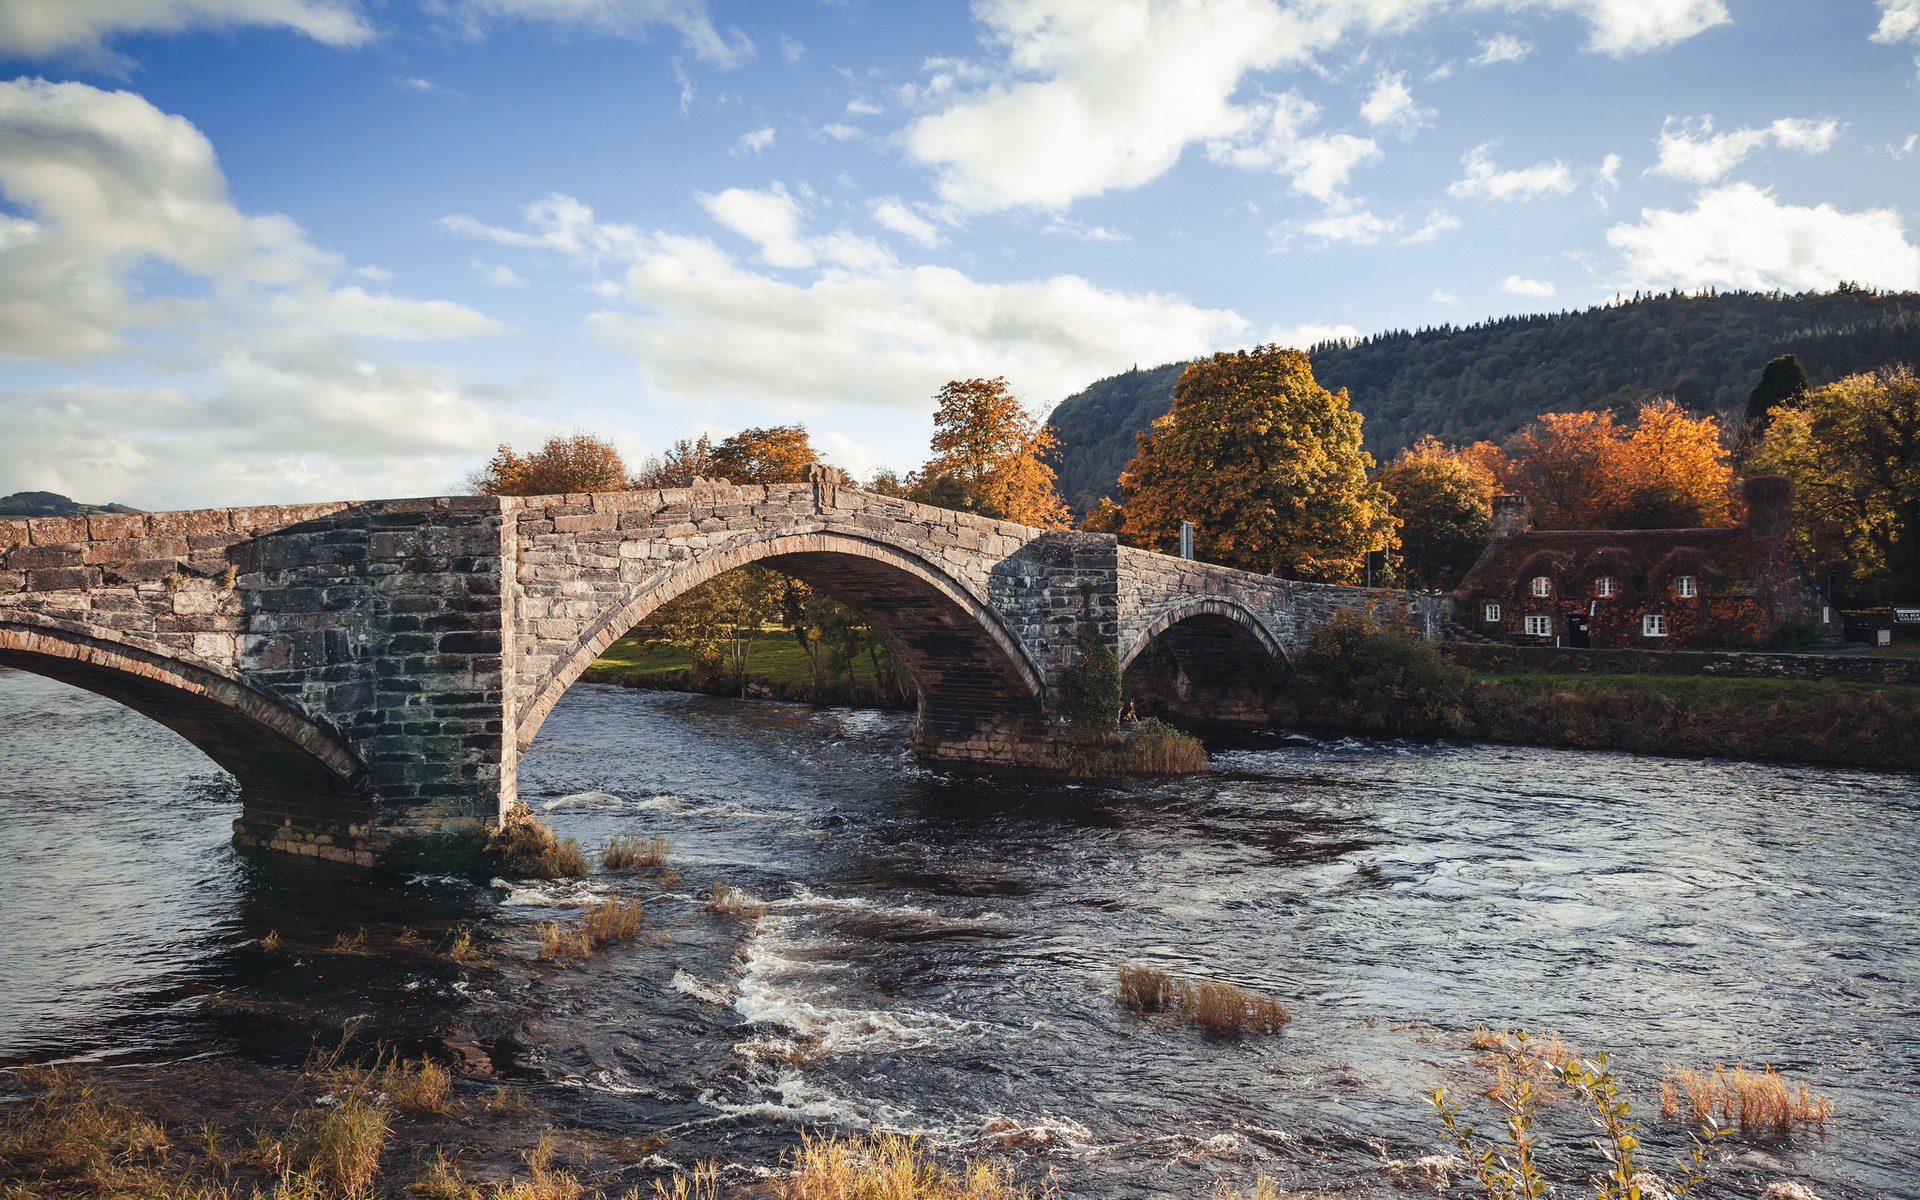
[(1485, 381), (53, 504)]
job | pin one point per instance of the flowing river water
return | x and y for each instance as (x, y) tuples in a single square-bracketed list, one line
[(939, 951)]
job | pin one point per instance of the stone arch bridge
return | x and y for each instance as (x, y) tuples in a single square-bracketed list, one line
[(372, 672)]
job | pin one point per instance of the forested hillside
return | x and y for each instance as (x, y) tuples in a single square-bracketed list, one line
[(1485, 381)]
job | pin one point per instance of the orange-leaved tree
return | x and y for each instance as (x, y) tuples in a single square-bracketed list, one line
[(989, 457), (1444, 499), (1266, 463), (776, 454), (567, 463), (1677, 470), (1586, 471)]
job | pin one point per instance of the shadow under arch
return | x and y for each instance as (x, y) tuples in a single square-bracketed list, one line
[(977, 682), (1220, 664), (300, 785)]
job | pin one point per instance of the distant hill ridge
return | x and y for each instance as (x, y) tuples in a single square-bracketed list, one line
[(1485, 381), (53, 504)]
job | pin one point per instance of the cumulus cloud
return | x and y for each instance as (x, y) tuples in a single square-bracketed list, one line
[(1310, 334), (1501, 47), (36, 28), (1691, 150), (1391, 105), (1272, 136), (1437, 223), (1089, 96), (891, 214), (753, 142), (1899, 21), (1515, 285), (1740, 236), (268, 361), (1485, 180), (862, 328), (1359, 228)]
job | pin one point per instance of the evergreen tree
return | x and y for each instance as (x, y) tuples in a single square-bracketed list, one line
[(1783, 381)]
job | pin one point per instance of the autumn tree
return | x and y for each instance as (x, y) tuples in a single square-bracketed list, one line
[(1267, 465), (1852, 449), (567, 463), (1584, 470), (1444, 500), (776, 454), (716, 623), (989, 457), (685, 461)]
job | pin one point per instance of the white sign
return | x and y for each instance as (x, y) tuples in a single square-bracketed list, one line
[(1906, 616)]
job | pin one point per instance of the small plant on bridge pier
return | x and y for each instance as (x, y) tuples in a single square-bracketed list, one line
[(1090, 688), (525, 848)]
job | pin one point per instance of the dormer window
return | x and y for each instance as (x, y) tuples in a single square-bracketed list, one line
[(1685, 586), (1604, 586), (1542, 586)]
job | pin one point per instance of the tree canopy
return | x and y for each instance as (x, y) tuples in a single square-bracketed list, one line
[(567, 463), (989, 457), (1266, 463), (1584, 470), (776, 454), (1444, 500)]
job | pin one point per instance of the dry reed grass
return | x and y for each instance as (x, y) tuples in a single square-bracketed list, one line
[(634, 853), (1761, 1102), (558, 943), (1264, 1188), (423, 1087), (886, 1166), (543, 1181), (1156, 748), (1219, 1008), (724, 899), (612, 920), (461, 948), (524, 847), (271, 941), (344, 943), (71, 1136)]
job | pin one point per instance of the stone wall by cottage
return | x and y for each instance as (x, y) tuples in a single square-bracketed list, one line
[(371, 672)]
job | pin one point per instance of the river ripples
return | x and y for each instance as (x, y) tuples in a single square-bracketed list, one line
[(938, 951)]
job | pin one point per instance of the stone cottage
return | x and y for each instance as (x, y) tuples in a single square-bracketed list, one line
[(1646, 589)]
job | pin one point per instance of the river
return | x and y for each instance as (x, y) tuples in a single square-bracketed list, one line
[(939, 951)]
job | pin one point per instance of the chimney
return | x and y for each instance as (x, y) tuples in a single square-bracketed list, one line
[(1510, 516), (1769, 501)]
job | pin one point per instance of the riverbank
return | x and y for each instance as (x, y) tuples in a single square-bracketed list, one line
[(777, 669)]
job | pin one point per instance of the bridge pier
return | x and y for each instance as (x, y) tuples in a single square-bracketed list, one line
[(371, 672)]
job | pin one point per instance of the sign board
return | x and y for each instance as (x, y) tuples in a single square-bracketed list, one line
[(1906, 616)]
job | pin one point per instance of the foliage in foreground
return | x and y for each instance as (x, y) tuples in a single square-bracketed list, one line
[(1381, 676)]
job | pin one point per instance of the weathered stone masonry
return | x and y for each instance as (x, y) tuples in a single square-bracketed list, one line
[(371, 672)]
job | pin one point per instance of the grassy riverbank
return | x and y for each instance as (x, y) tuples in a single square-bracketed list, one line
[(777, 669)]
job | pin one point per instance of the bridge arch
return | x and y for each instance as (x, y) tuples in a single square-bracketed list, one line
[(1229, 666), (977, 681), (303, 790)]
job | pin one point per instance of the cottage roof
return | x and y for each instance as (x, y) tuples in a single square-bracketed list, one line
[(1568, 555)]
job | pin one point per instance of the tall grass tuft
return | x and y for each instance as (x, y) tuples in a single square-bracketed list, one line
[(72, 1135), (525, 848), (422, 1087), (340, 1146), (634, 853), (1761, 1102), (544, 1181), (1219, 1008), (612, 920), (723, 898), (559, 943), (1154, 747), (886, 1166)]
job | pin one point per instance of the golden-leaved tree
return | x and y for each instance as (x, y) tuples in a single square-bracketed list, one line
[(776, 454), (567, 463), (1444, 500), (1266, 463), (989, 457)]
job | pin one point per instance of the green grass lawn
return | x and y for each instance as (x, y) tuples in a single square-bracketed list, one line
[(1757, 691), (775, 655)]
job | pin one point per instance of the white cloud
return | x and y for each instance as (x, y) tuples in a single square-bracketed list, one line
[(861, 329), (1904, 148), (1501, 47), (633, 19), (842, 133), (1272, 137), (1899, 21), (1359, 228), (1086, 233), (1515, 285), (770, 218), (1690, 150), (377, 274), (42, 27), (753, 142), (1310, 334), (863, 108), (1441, 296), (272, 370), (791, 48), (891, 214), (499, 276), (1740, 236), (1089, 96), (1528, 183), (1437, 223), (1608, 176), (1391, 105)]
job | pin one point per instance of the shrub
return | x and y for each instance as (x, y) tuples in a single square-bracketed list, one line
[(524, 848), (1090, 688), (1382, 676)]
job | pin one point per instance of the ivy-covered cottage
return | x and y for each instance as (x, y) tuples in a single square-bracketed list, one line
[(1646, 589)]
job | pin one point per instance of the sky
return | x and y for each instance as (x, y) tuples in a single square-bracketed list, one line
[(266, 251)]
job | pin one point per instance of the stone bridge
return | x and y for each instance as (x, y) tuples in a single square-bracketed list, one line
[(372, 672)]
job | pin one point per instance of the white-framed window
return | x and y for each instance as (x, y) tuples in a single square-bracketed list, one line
[(1490, 612), (1685, 586), (1542, 586), (1653, 625), (1539, 625), (1603, 586)]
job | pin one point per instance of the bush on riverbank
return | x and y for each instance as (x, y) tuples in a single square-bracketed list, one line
[(1380, 676)]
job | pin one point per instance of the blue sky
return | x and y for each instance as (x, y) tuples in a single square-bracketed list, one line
[(272, 250)]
